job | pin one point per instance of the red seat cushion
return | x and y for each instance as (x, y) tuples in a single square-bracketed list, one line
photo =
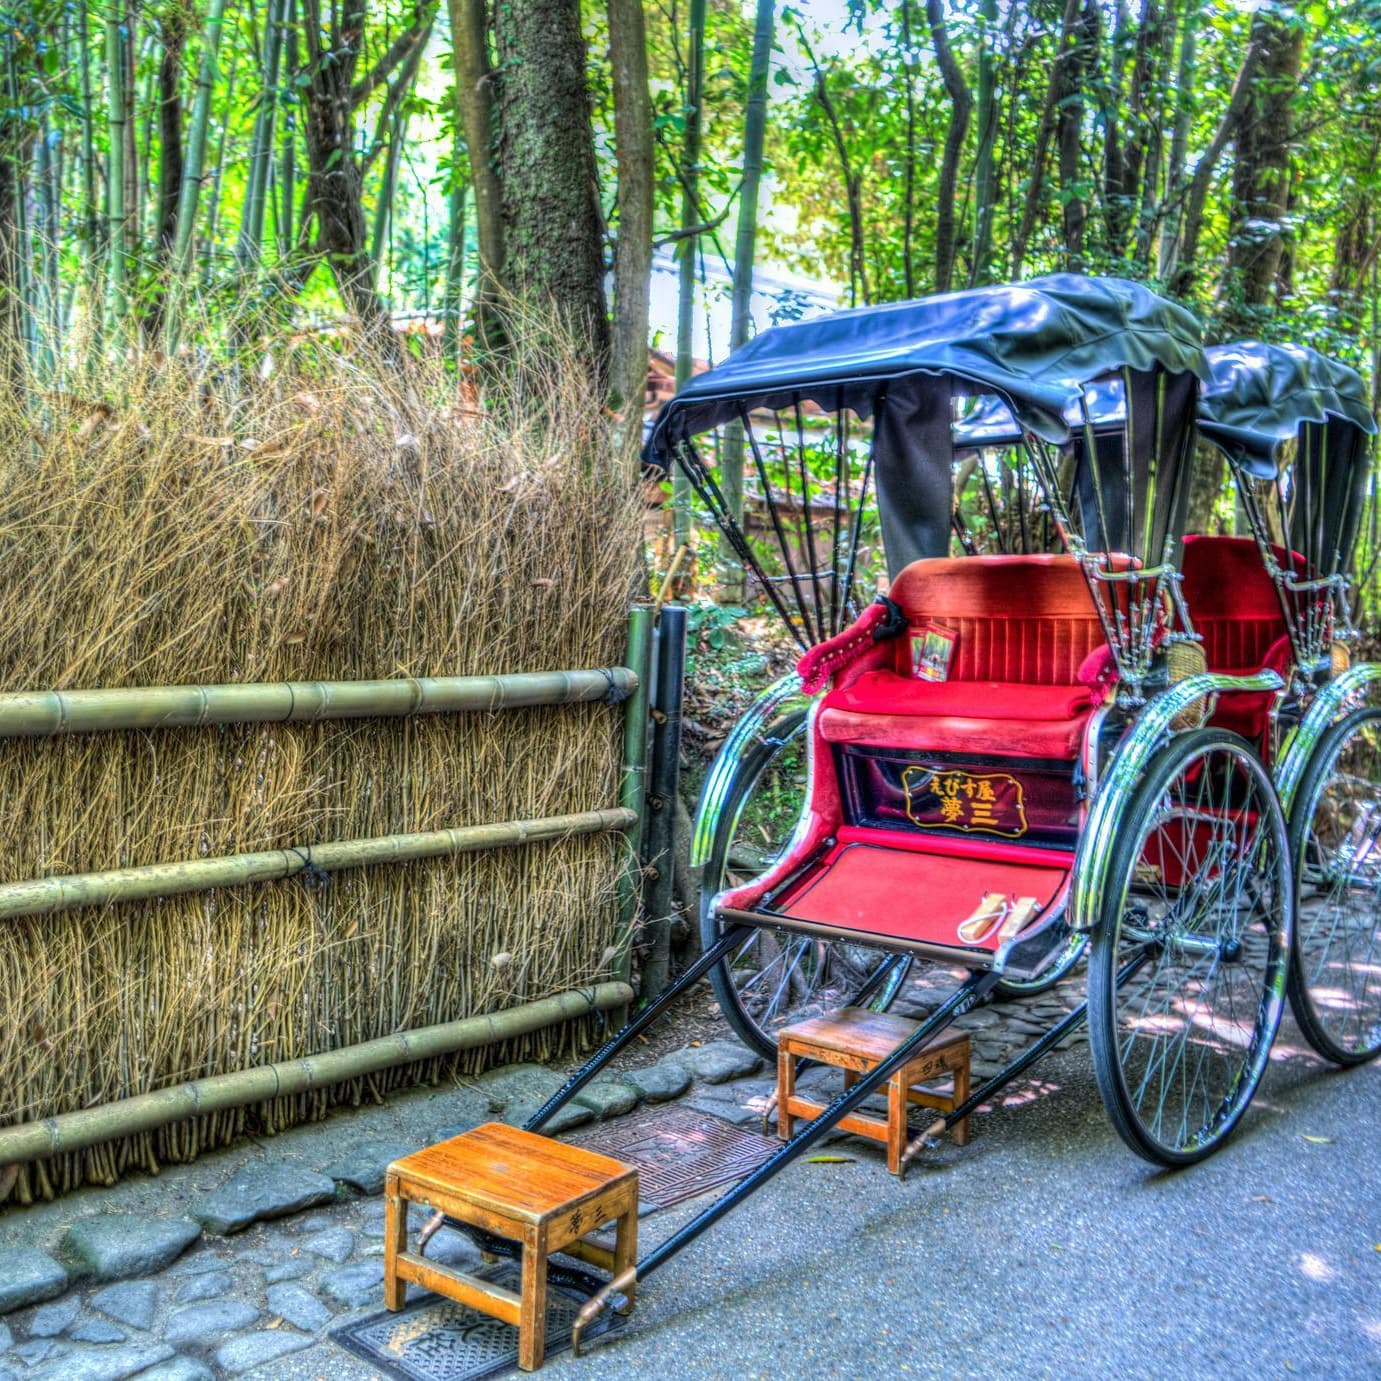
[(1004, 717), (1017, 618), (1232, 601)]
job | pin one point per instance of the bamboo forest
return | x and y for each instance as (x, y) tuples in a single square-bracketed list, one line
[(210, 174)]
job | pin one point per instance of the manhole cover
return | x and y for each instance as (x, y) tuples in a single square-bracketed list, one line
[(435, 1339), (679, 1153)]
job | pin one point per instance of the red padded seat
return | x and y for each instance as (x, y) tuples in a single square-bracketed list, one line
[(1232, 602), (882, 707), (1234, 607), (1024, 626)]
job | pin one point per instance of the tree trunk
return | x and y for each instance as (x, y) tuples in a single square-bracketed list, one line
[(633, 248), (745, 243), (454, 297), (475, 103), (687, 248), (181, 261), (1179, 139), (1045, 129), (984, 182), (961, 102), (1261, 173), (553, 227), (170, 128), (333, 178), (249, 245), (1181, 278), (1070, 107), (908, 214), (287, 166)]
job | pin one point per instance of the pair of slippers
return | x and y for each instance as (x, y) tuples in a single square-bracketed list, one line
[(1005, 915)]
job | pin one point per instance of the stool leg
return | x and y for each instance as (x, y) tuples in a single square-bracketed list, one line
[(532, 1311), (786, 1086), (626, 1250), (961, 1093), (896, 1121), (395, 1241)]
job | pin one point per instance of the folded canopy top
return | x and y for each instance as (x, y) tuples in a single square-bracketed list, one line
[(1034, 344)]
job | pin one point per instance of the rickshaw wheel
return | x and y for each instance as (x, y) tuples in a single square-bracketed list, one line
[(775, 978), (1335, 974), (1199, 894)]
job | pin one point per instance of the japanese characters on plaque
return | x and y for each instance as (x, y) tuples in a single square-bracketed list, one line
[(971, 802)]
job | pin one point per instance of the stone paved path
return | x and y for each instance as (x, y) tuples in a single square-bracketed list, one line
[(243, 1261)]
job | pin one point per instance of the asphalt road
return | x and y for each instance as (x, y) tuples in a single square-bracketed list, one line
[(1045, 1248)]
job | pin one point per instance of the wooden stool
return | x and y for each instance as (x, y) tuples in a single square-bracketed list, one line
[(538, 1192), (856, 1040)]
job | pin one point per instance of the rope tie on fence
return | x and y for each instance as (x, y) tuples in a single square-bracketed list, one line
[(616, 694), (313, 878)]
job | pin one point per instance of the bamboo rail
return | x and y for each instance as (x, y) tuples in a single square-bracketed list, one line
[(74, 1131), (43, 896), (38, 714), (633, 784)]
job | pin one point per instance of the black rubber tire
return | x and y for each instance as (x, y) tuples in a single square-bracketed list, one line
[(1305, 993), (756, 1033), (1227, 1065)]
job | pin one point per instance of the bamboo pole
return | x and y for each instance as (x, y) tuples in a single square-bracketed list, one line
[(633, 784), (38, 714), (75, 1131), (43, 896)]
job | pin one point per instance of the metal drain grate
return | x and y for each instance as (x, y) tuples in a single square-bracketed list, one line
[(679, 1153), (435, 1339)]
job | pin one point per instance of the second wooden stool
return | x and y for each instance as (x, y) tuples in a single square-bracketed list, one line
[(541, 1193), (856, 1040)]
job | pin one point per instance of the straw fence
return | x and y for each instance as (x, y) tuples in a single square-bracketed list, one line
[(327, 523)]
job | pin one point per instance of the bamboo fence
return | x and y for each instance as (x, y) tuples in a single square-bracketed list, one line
[(187, 535)]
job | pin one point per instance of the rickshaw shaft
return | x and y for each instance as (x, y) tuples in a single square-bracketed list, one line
[(1039, 1050), (969, 993), (644, 1019)]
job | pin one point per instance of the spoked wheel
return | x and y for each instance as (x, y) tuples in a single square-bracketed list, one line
[(776, 978), (1335, 832), (1195, 922)]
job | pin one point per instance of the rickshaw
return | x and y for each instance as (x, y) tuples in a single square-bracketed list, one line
[(1008, 750), (1296, 429)]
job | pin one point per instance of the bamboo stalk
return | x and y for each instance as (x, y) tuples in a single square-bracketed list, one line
[(115, 170), (196, 138), (30, 1141), (633, 784), (43, 896), (40, 714)]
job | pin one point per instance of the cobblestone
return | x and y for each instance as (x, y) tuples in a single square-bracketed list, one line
[(258, 1192), (262, 1297), (112, 1246), (131, 1304)]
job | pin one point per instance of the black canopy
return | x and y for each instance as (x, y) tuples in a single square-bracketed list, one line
[(1034, 344), (1037, 346), (1261, 396)]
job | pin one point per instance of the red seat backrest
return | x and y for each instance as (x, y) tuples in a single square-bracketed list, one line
[(1018, 618), (1232, 602)]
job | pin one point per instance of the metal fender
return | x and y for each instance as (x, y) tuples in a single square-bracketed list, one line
[(746, 735), (1328, 704), (1122, 774)]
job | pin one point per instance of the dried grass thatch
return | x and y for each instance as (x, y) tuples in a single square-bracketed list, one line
[(332, 521)]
